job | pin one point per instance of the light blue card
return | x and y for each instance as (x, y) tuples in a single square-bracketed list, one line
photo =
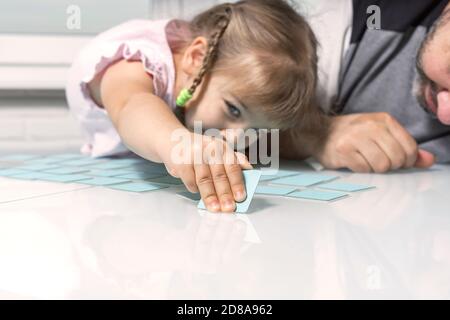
[(38, 167), (150, 167), (190, 196), (46, 160), (11, 172), (251, 178), (65, 170), (109, 173), (103, 181), (318, 195), (64, 177), (167, 180), (30, 175), (83, 162), (109, 165), (304, 180), (137, 187), (69, 156), (140, 175), (129, 161), (274, 190), (271, 174), (346, 187)]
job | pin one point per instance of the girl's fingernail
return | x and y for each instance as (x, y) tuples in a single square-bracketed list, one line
[(228, 205), (240, 196), (215, 205)]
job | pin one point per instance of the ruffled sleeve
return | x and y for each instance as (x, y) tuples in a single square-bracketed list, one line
[(134, 41)]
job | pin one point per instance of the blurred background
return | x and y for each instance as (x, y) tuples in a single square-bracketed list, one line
[(38, 40)]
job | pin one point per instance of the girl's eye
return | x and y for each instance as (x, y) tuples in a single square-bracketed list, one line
[(234, 112)]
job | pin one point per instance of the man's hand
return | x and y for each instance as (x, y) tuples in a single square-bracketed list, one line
[(212, 168), (370, 142)]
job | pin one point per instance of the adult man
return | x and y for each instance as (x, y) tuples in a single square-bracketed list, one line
[(390, 114)]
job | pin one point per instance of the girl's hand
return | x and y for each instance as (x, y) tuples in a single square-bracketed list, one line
[(210, 166), (371, 142)]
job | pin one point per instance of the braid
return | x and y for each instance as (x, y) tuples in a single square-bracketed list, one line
[(213, 44), (222, 21)]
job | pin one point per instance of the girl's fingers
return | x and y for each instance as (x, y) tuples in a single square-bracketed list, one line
[(206, 187), (222, 187), (236, 180), (187, 175)]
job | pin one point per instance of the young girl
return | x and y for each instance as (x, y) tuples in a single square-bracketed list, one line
[(251, 64)]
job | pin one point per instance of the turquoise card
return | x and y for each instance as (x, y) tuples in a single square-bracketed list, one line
[(11, 172), (64, 177), (83, 162), (65, 170), (38, 167), (103, 181), (276, 174), (68, 156), (318, 195), (109, 173), (167, 180), (109, 165), (190, 196), (129, 161), (140, 175), (30, 175), (46, 160), (251, 178), (137, 187), (268, 190), (304, 180), (150, 167), (346, 187)]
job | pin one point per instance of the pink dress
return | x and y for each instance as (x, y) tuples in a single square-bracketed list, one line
[(141, 40)]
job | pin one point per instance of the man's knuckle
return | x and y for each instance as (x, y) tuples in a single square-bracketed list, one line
[(383, 166), (343, 146)]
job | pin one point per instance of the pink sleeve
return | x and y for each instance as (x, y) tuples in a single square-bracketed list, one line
[(102, 138)]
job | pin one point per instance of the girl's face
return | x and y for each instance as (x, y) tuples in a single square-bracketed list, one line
[(217, 107), (213, 103)]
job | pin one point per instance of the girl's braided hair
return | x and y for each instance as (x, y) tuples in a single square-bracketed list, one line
[(222, 21), (268, 51)]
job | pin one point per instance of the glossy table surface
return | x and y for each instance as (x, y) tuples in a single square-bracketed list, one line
[(70, 241)]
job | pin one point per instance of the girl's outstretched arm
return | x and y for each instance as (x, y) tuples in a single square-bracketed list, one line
[(146, 125), (143, 120)]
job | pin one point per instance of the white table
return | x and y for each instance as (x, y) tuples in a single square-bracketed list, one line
[(71, 241)]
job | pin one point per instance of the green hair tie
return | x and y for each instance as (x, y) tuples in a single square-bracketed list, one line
[(184, 97)]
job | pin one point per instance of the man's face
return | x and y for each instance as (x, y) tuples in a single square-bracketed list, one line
[(433, 65)]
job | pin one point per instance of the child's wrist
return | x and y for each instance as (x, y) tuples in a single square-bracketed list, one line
[(174, 142)]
